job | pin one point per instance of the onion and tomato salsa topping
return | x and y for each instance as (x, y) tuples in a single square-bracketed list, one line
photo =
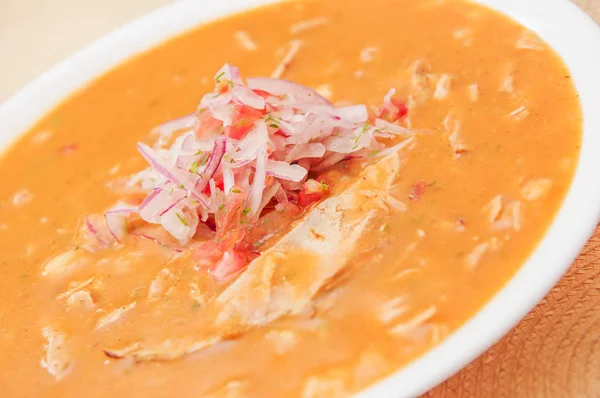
[(248, 162)]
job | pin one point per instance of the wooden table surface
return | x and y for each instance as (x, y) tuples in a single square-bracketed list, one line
[(554, 351)]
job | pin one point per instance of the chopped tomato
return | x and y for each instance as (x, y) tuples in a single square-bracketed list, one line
[(244, 118), (417, 190), (206, 125), (402, 110), (207, 254), (269, 225), (262, 93), (229, 264), (393, 112), (313, 191), (68, 149)]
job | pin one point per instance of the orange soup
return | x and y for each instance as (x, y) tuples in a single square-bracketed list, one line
[(317, 244)]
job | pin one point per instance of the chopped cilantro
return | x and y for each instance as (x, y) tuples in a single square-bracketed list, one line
[(204, 159), (219, 76), (274, 125), (246, 210), (230, 84), (257, 244), (374, 153), (194, 168), (222, 207), (182, 220), (236, 191)]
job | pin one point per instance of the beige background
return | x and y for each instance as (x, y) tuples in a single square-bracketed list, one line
[(554, 352)]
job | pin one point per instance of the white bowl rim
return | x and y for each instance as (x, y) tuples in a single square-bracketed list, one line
[(575, 222)]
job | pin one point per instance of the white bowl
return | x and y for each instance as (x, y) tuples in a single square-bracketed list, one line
[(567, 29)]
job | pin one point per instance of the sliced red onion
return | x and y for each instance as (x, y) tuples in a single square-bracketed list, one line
[(216, 101), (393, 128), (299, 126), (248, 97), (184, 122), (268, 194), (341, 144), (285, 171), (280, 87), (248, 148), (151, 210), (228, 73), (328, 161), (354, 114), (116, 222), (157, 241), (258, 183), (157, 163), (180, 224), (228, 178), (213, 163), (172, 205), (281, 195), (94, 231), (316, 150)]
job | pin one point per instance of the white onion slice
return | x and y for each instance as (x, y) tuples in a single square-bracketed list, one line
[(279, 87), (285, 171)]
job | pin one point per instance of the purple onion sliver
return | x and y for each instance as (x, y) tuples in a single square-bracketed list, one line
[(171, 206), (153, 239), (94, 231), (156, 163), (213, 164)]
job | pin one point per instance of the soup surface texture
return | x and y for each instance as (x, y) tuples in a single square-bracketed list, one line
[(498, 132)]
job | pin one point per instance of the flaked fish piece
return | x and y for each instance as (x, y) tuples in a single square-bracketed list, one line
[(57, 358), (326, 240), (286, 277), (416, 321), (114, 315), (331, 385), (282, 340), (75, 287), (442, 87), (167, 350), (453, 127), (536, 189), (245, 41), (80, 300), (473, 91), (161, 284), (308, 24), (474, 257), (63, 263), (231, 389), (529, 41)]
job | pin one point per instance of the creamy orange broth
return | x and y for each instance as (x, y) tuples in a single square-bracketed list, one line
[(418, 274)]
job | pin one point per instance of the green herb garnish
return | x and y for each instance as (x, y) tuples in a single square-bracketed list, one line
[(194, 168), (204, 159), (220, 75), (182, 220)]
